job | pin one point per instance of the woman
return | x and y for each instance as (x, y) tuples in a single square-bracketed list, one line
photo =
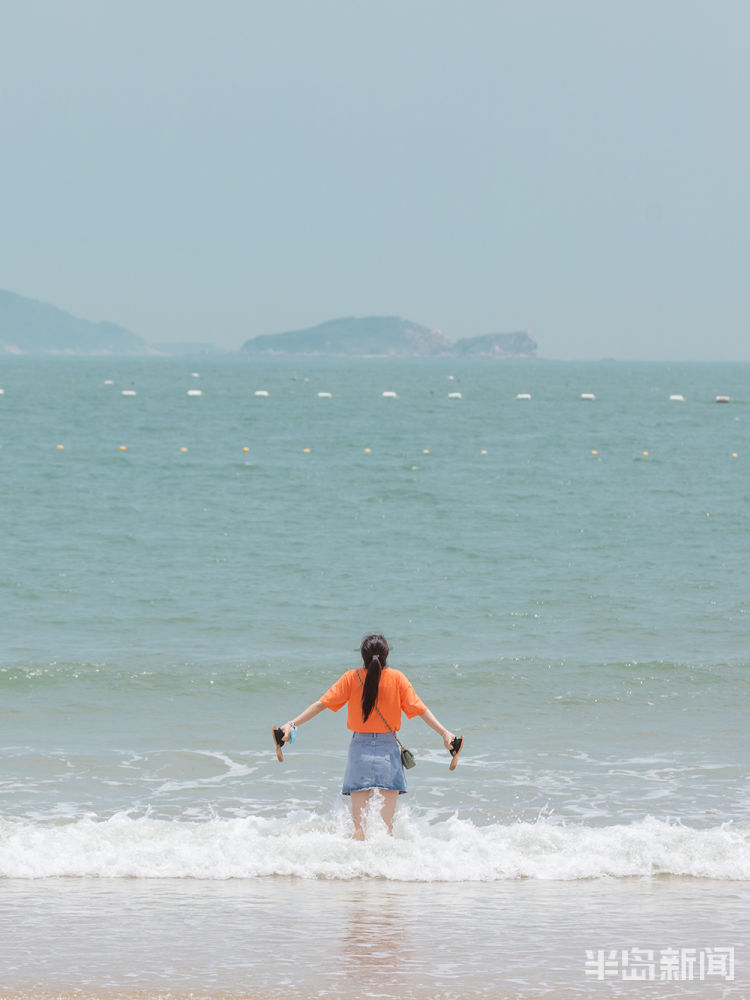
[(376, 696)]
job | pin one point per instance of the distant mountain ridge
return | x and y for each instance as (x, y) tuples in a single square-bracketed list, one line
[(388, 336), (31, 327)]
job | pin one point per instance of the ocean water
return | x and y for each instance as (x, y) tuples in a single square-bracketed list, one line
[(564, 582)]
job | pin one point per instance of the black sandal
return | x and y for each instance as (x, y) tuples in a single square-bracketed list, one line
[(457, 745), (278, 742)]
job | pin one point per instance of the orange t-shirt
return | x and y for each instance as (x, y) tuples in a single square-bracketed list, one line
[(395, 695)]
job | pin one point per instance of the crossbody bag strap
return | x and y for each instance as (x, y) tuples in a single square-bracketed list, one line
[(391, 731)]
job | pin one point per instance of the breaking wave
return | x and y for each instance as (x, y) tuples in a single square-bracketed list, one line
[(310, 846)]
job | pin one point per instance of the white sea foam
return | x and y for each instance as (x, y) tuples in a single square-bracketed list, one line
[(310, 846)]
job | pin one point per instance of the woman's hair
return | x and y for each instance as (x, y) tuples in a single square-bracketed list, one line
[(374, 651)]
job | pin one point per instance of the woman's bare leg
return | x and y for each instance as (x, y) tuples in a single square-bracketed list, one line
[(390, 797), (359, 801)]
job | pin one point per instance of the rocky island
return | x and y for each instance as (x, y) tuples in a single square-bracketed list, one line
[(388, 336)]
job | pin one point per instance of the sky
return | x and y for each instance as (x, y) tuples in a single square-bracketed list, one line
[(210, 171)]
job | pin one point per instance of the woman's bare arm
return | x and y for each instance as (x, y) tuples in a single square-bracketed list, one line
[(310, 712), (433, 723)]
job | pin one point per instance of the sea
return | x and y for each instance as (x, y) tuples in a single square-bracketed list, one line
[(192, 551)]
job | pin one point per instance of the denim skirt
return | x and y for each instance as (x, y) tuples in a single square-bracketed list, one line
[(374, 761)]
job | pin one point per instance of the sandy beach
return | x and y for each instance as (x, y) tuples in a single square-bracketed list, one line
[(296, 938)]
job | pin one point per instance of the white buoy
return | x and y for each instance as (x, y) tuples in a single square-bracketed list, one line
[(108, 381), (128, 392), (455, 395), (195, 392), (2, 392), (451, 378), (677, 398), (723, 399), (389, 395), (195, 374), (325, 395), (589, 396), (523, 395), (261, 392)]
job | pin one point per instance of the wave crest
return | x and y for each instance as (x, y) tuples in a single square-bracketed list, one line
[(310, 846)]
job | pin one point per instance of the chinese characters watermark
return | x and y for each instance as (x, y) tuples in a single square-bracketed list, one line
[(674, 964)]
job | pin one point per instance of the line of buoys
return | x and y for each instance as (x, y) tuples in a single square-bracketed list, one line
[(368, 451), (388, 394)]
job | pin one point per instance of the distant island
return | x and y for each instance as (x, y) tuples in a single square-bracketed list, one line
[(388, 336), (29, 327)]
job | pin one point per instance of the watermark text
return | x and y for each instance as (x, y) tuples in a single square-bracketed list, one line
[(674, 964)]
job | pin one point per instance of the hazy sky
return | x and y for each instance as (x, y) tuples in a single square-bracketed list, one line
[(215, 170)]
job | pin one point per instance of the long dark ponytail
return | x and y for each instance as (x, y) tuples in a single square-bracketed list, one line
[(375, 652)]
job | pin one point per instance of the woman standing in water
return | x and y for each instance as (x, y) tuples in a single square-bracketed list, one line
[(376, 695)]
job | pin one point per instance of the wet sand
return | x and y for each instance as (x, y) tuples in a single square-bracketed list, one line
[(117, 939)]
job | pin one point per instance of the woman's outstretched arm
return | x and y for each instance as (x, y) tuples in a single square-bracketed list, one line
[(433, 723), (310, 712)]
